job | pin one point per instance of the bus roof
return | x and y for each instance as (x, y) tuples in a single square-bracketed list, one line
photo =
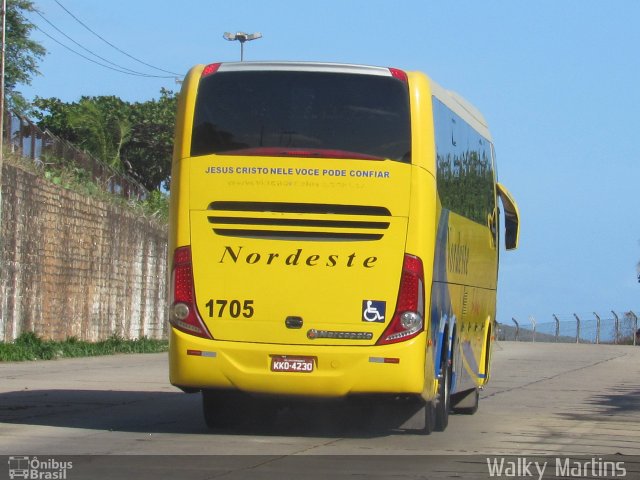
[(463, 108), (304, 67)]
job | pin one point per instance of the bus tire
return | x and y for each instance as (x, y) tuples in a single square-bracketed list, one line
[(443, 400), (430, 415)]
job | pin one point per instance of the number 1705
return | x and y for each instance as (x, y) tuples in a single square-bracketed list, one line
[(231, 308)]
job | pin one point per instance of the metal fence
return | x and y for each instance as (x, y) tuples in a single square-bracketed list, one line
[(612, 328), (26, 139)]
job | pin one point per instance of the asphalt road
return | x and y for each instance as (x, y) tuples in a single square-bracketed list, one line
[(543, 399)]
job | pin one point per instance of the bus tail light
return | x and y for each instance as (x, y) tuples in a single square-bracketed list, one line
[(399, 74), (184, 313), (210, 69), (408, 319)]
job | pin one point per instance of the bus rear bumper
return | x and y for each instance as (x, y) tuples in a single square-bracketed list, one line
[(197, 363)]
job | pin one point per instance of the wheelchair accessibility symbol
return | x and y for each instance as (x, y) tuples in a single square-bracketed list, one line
[(373, 311)]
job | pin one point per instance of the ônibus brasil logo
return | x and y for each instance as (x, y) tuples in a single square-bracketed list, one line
[(34, 468)]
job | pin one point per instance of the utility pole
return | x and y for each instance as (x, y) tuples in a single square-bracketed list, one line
[(241, 37), (2, 59), (3, 51)]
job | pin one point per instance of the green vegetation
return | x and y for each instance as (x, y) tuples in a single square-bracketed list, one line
[(72, 177), (22, 53), (29, 346), (156, 206), (132, 138)]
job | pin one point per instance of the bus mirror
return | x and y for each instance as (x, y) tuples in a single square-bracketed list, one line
[(511, 218)]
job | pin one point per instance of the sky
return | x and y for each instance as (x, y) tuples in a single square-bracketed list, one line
[(557, 80)]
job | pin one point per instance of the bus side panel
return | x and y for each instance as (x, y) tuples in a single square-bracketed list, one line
[(465, 269), (474, 337), (471, 260), (460, 313)]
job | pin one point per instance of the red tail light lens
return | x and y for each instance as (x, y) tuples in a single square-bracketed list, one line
[(184, 313), (399, 74), (408, 319), (210, 69)]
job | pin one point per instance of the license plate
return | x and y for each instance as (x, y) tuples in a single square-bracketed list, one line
[(283, 363)]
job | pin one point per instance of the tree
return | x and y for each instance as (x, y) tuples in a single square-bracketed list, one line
[(21, 53), (147, 153), (100, 125), (134, 138), (53, 114)]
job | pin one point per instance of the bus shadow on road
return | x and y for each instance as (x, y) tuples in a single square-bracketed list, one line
[(176, 412)]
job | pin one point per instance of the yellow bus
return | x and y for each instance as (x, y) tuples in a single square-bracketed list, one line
[(333, 234)]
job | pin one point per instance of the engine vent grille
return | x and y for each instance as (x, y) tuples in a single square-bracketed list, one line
[(300, 221)]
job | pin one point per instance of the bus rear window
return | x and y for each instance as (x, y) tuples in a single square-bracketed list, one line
[(319, 114)]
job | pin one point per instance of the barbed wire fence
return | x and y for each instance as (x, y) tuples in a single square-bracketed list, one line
[(612, 328), (27, 140)]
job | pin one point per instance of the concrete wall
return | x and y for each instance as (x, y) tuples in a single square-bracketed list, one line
[(76, 266)]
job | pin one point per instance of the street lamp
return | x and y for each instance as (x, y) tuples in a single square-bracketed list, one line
[(241, 37)]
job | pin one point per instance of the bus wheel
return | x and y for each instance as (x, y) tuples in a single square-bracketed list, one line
[(223, 409), (443, 400), (430, 414)]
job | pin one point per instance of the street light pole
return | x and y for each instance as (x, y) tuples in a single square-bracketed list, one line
[(242, 38)]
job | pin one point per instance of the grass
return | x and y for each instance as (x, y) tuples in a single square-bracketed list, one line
[(28, 346)]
